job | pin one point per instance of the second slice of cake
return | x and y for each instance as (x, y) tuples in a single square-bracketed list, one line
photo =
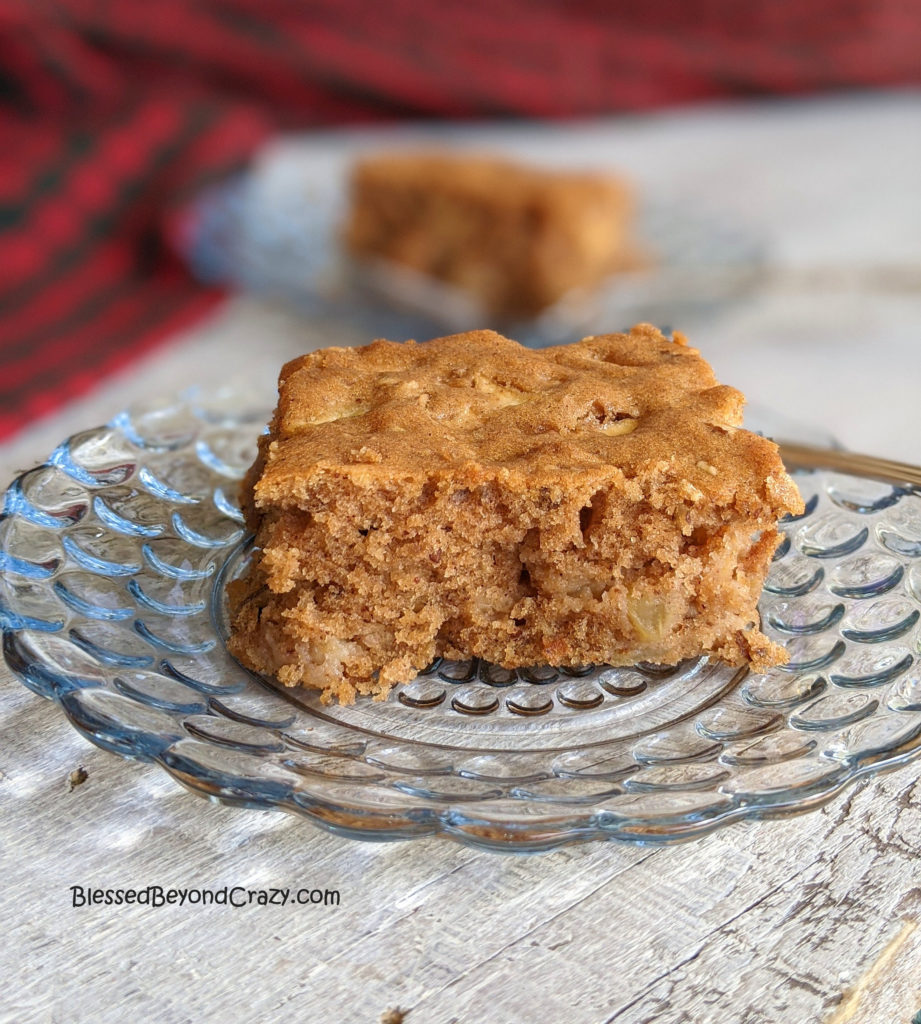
[(596, 502), (515, 238)]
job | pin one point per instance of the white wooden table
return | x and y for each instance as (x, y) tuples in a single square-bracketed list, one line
[(807, 919)]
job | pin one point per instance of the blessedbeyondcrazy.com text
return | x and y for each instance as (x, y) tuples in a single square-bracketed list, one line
[(225, 896)]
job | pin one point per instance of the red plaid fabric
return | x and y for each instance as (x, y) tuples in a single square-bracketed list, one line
[(114, 112)]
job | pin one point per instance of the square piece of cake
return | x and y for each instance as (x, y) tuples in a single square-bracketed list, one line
[(590, 503), (513, 237)]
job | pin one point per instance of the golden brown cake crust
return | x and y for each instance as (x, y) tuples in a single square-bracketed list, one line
[(631, 404), (468, 496)]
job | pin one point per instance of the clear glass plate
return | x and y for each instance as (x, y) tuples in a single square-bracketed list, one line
[(114, 556), (275, 231)]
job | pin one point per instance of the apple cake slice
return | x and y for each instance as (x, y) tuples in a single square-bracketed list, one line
[(596, 502), (513, 237)]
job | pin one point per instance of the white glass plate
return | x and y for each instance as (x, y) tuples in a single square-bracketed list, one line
[(115, 554)]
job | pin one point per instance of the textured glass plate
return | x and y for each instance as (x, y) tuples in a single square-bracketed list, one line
[(114, 556), (276, 231)]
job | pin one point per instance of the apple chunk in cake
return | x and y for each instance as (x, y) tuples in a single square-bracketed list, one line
[(594, 502)]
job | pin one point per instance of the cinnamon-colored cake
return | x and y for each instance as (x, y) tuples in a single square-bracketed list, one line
[(590, 503), (516, 238)]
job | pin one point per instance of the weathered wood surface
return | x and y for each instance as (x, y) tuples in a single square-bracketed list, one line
[(760, 923), (809, 920)]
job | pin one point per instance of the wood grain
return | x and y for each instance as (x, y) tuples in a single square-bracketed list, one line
[(763, 922)]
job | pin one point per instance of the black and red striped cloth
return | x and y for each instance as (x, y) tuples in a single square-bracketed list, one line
[(113, 113)]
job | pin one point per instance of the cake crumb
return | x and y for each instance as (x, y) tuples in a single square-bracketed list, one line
[(77, 777), (394, 1016)]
